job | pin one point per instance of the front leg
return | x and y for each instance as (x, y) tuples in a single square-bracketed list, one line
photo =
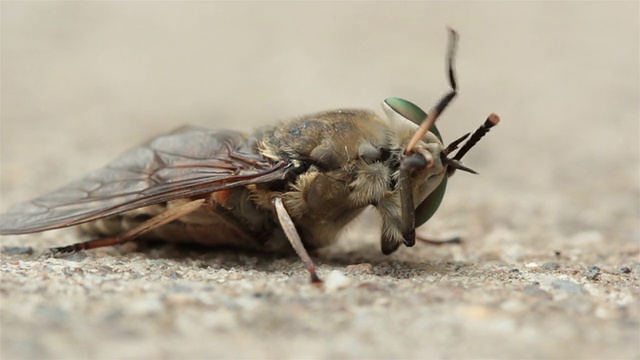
[(391, 213)]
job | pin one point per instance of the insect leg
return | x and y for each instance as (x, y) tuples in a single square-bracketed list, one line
[(292, 235), (407, 224), (156, 221), (452, 240)]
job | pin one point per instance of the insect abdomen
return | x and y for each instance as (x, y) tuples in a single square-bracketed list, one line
[(209, 225)]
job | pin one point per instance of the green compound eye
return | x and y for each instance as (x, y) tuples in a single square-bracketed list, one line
[(413, 113), (430, 205)]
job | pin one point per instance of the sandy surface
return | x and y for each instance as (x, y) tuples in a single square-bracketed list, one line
[(550, 259)]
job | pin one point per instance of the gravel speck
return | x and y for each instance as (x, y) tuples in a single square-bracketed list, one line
[(364, 268), (336, 281), (624, 269), (593, 272)]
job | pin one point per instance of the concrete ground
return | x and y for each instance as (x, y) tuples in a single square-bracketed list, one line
[(550, 259)]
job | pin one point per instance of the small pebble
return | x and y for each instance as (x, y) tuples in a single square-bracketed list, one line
[(593, 273), (364, 268), (624, 269), (336, 281)]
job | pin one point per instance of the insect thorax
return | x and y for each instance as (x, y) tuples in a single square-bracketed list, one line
[(347, 160)]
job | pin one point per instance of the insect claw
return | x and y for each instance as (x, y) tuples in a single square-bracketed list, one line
[(47, 255), (315, 279), (64, 249), (410, 238)]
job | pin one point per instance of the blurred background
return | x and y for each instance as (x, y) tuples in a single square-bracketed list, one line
[(84, 81)]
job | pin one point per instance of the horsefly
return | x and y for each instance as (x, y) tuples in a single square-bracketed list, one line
[(295, 185)]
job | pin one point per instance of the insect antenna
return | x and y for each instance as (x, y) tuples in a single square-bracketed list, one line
[(454, 163), (491, 121), (428, 122)]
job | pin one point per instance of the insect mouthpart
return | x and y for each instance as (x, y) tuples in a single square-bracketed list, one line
[(420, 160), (455, 165)]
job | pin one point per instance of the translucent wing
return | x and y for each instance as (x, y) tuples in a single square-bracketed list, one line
[(187, 162)]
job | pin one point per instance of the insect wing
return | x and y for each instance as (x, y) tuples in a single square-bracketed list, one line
[(188, 162)]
